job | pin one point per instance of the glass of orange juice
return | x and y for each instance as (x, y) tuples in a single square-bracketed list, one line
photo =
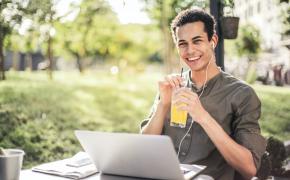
[(178, 118)]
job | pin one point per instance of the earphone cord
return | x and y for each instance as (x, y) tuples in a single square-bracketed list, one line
[(192, 121)]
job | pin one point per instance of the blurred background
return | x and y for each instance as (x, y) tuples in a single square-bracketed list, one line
[(94, 64)]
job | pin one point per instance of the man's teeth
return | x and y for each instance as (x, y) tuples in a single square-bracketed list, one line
[(194, 58)]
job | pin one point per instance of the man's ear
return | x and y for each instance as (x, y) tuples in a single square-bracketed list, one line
[(214, 40)]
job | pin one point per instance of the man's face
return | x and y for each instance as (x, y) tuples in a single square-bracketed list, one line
[(193, 45)]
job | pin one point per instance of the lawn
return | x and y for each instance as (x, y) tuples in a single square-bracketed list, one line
[(39, 115), (275, 119)]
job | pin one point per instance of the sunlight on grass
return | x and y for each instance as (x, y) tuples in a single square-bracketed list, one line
[(275, 118)]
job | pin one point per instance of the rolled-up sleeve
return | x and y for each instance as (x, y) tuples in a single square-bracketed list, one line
[(246, 129)]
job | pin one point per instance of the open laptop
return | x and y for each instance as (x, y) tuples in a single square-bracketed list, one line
[(135, 155)]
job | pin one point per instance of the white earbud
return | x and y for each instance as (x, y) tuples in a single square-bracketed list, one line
[(213, 45)]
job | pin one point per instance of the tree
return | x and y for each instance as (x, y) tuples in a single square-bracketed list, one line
[(285, 5), (11, 13), (248, 44), (26, 42), (45, 17), (88, 34)]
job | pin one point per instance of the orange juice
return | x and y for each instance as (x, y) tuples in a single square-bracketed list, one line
[(178, 118)]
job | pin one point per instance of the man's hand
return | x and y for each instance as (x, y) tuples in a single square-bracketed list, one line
[(166, 86), (187, 100), (156, 122)]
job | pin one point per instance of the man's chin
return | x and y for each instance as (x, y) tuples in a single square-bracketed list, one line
[(196, 68)]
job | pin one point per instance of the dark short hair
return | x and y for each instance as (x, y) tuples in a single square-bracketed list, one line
[(194, 15)]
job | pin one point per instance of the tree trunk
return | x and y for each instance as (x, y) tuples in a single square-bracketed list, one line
[(164, 27), (15, 60), (49, 47), (168, 46), (29, 61), (50, 57), (79, 62), (251, 74), (2, 68)]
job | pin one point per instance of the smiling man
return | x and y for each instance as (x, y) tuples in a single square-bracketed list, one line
[(222, 129)]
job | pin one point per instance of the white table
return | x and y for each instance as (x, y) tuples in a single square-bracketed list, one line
[(30, 175)]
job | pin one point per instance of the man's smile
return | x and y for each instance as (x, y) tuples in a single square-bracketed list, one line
[(196, 58)]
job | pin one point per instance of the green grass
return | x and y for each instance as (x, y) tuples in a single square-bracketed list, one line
[(275, 119), (39, 115)]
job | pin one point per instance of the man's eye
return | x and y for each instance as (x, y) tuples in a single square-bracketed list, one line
[(182, 44), (196, 41)]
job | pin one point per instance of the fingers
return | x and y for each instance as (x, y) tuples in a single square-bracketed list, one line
[(174, 80), (163, 83), (180, 101), (186, 92), (184, 96)]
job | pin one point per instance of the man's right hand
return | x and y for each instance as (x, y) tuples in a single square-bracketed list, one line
[(156, 122), (166, 86)]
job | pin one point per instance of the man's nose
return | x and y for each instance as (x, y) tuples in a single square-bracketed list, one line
[(190, 49)]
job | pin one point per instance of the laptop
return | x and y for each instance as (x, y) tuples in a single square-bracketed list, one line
[(135, 155)]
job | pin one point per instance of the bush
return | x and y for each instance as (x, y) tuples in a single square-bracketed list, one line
[(40, 116)]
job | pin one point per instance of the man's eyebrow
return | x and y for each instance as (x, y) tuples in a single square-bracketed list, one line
[(181, 40), (196, 37)]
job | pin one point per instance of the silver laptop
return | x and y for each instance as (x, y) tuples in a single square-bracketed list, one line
[(135, 155)]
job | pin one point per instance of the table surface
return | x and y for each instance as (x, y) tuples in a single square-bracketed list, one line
[(30, 175)]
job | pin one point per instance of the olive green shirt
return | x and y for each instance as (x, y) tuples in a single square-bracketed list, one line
[(236, 107)]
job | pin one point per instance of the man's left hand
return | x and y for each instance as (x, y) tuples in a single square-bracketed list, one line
[(187, 100)]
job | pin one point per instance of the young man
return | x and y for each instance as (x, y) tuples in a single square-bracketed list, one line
[(225, 135)]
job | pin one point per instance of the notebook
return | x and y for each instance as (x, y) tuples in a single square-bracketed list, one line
[(77, 167)]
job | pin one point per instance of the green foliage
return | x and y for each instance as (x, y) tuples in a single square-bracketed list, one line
[(251, 75), (163, 11), (228, 3), (39, 116), (285, 16), (275, 111), (227, 7), (95, 34), (248, 42), (134, 44), (91, 31), (130, 44), (11, 14)]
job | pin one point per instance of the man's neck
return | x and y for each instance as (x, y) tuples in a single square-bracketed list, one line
[(199, 77)]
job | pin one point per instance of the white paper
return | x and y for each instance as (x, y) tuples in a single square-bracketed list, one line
[(61, 168)]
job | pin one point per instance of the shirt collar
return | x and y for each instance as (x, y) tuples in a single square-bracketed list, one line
[(209, 83)]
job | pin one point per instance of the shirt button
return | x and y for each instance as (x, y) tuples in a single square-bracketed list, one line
[(183, 153)]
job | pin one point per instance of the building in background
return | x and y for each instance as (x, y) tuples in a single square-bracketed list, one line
[(266, 15)]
